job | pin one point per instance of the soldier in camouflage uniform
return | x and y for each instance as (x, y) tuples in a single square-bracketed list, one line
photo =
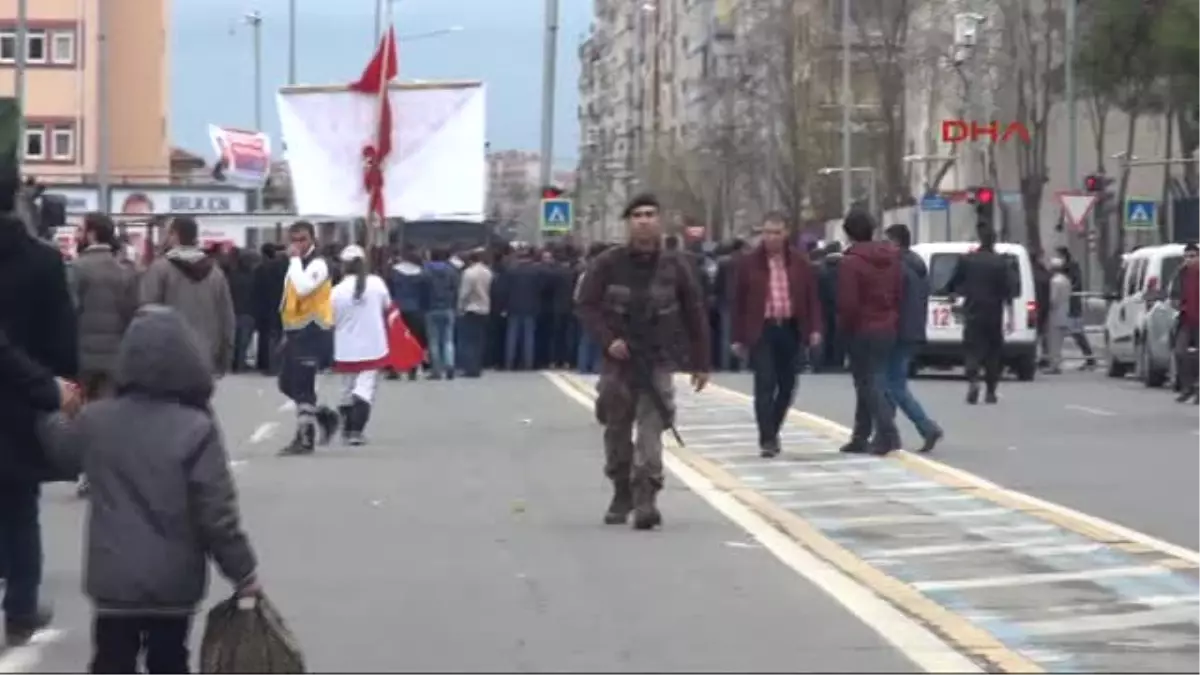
[(644, 306)]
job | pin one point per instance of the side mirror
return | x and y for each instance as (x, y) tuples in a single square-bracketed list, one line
[(1153, 296)]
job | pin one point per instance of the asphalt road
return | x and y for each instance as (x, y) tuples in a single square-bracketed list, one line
[(1112, 449), (467, 537)]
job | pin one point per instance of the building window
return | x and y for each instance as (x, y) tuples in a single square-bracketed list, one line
[(35, 143), (64, 48), (63, 143), (35, 46), (8, 46)]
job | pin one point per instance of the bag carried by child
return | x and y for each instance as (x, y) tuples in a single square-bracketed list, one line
[(248, 635)]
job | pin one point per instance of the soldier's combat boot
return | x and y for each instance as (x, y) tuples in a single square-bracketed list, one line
[(621, 504), (645, 509)]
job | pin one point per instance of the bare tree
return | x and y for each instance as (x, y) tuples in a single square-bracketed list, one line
[(1033, 39)]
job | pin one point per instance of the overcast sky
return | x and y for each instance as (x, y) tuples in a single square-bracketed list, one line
[(212, 60)]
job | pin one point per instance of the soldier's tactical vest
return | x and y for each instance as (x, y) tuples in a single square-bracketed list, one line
[(642, 304)]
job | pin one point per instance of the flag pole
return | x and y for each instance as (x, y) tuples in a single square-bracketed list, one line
[(377, 221)]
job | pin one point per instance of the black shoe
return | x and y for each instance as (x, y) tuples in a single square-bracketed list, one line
[(769, 448), (931, 440), (327, 424), (855, 447), (302, 443), (19, 631), (972, 393), (450, 375), (621, 504), (1185, 395), (346, 413), (990, 398)]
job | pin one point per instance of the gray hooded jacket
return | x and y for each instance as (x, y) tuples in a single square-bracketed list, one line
[(162, 497), (190, 282)]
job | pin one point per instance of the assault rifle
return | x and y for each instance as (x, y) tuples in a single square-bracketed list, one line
[(638, 330)]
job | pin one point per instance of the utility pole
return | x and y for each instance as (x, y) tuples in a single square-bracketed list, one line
[(103, 142), (254, 20), (1072, 110), (292, 42), (847, 101), (19, 77), (549, 65)]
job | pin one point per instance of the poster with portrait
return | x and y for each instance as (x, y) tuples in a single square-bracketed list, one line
[(243, 157)]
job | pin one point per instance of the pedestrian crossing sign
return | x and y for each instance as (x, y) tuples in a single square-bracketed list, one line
[(557, 216), (1140, 214)]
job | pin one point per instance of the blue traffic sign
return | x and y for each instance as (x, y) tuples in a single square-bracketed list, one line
[(557, 215), (1140, 214), (934, 202)]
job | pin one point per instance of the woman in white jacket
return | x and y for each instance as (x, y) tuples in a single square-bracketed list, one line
[(360, 347)]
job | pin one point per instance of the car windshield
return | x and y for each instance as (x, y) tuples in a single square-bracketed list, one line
[(1170, 267), (941, 268)]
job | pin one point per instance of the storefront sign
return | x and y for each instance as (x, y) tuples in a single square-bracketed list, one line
[(177, 201), (80, 200)]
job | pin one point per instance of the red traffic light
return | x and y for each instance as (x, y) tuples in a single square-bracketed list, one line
[(984, 195), (551, 192), (1095, 183)]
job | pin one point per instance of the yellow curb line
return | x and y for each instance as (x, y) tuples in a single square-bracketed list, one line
[(961, 633)]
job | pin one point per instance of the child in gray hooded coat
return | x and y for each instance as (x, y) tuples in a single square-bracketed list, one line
[(162, 498)]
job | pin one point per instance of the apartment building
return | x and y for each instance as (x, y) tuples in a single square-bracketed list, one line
[(63, 82), (672, 90)]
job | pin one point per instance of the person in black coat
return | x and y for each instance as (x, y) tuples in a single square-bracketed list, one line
[(267, 294), (37, 317)]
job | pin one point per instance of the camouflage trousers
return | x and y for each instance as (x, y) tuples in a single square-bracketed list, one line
[(633, 427)]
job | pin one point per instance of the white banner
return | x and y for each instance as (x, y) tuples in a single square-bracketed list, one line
[(437, 168), (247, 155)]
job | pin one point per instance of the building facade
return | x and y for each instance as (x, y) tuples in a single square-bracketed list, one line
[(63, 82)]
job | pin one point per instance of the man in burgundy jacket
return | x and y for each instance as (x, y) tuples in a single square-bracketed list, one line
[(1187, 286), (870, 290), (776, 315)]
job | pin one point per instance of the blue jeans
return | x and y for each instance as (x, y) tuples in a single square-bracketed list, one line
[(589, 354), (439, 331), (20, 548), (521, 328), (895, 379)]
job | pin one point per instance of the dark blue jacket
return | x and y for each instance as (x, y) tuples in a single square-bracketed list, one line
[(524, 283), (443, 286), (407, 283), (914, 305)]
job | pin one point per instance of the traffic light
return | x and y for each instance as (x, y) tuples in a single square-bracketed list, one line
[(1100, 185), (984, 201), (552, 192)]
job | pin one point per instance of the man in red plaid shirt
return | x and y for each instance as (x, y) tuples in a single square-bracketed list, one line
[(776, 314)]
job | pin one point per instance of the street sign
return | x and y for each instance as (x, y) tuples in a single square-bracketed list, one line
[(557, 216), (1140, 214), (934, 202), (1076, 206)]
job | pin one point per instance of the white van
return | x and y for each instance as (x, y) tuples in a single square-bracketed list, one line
[(943, 348), (1145, 275)]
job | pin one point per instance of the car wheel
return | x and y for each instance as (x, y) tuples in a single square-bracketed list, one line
[(1115, 368), (1025, 367)]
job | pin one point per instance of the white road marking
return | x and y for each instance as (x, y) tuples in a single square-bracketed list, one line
[(1013, 529), (1167, 600), (916, 642), (287, 406), (950, 549), (1099, 412), (871, 521), (264, 431), (741, 544), (1109, 622), (863, 501), (1040, 578), (715, 427), (25, 659)]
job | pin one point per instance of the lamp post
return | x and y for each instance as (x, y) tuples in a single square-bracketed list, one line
[(254, 20)]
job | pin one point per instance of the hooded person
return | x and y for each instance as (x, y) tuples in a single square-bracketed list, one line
[(360, 344), (408, 282), (189, 281), (163, 500), (870, 293)]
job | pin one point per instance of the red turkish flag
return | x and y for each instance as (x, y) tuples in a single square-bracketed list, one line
[(404, 351), (382, 69)]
